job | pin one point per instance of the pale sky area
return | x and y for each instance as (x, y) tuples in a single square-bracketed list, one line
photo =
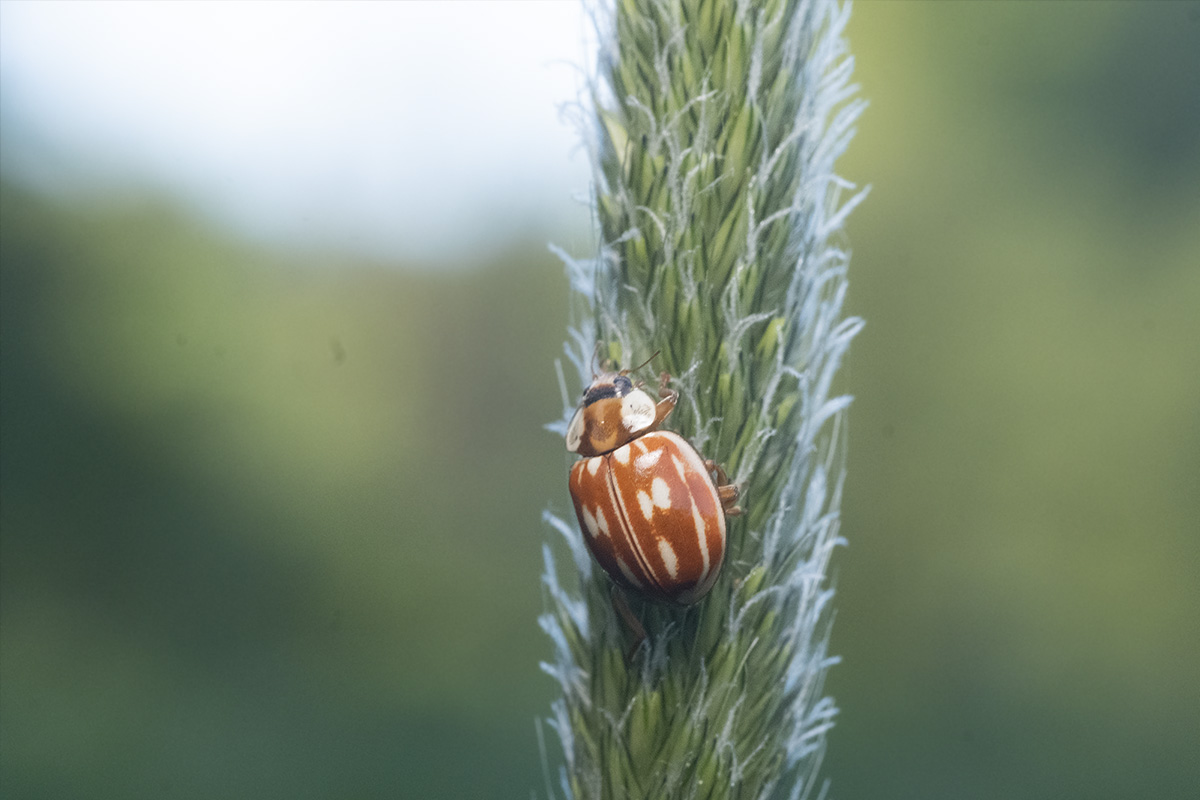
[(418, 129)]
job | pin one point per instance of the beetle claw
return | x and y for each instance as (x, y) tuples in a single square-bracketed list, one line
[(727, 491), (669, 398)]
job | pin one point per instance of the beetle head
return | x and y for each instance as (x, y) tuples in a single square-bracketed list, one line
[(612, 412)]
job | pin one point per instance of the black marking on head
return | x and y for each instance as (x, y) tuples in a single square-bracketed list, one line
[(598, 391), (619, 386)]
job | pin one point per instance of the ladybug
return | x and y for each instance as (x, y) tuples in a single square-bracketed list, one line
[(650, 510)]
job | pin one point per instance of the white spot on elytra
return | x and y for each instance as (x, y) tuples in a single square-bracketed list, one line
[(647, 505), (594, 465), (670, 560), (622, 454), (698, 521), (601, 521), (648, 459), (589, 521), (661, 493), (680, 469), (628, 573)]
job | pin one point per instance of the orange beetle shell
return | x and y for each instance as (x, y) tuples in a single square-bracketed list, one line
[(652, 517)]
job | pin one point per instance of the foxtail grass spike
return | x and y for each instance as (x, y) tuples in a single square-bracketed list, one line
[(713, 127)]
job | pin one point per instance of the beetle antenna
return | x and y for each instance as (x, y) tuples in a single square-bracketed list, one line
[(596, 360), (644, 363)]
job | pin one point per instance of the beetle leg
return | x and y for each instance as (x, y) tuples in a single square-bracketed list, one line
[(621, 606), (729, 495), (669, 397), (726, 491)]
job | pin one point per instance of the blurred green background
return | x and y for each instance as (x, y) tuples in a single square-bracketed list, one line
[(271, 520)]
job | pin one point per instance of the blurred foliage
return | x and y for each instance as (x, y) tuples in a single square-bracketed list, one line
[(1018, 606), (270, 524), (270, 527)]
